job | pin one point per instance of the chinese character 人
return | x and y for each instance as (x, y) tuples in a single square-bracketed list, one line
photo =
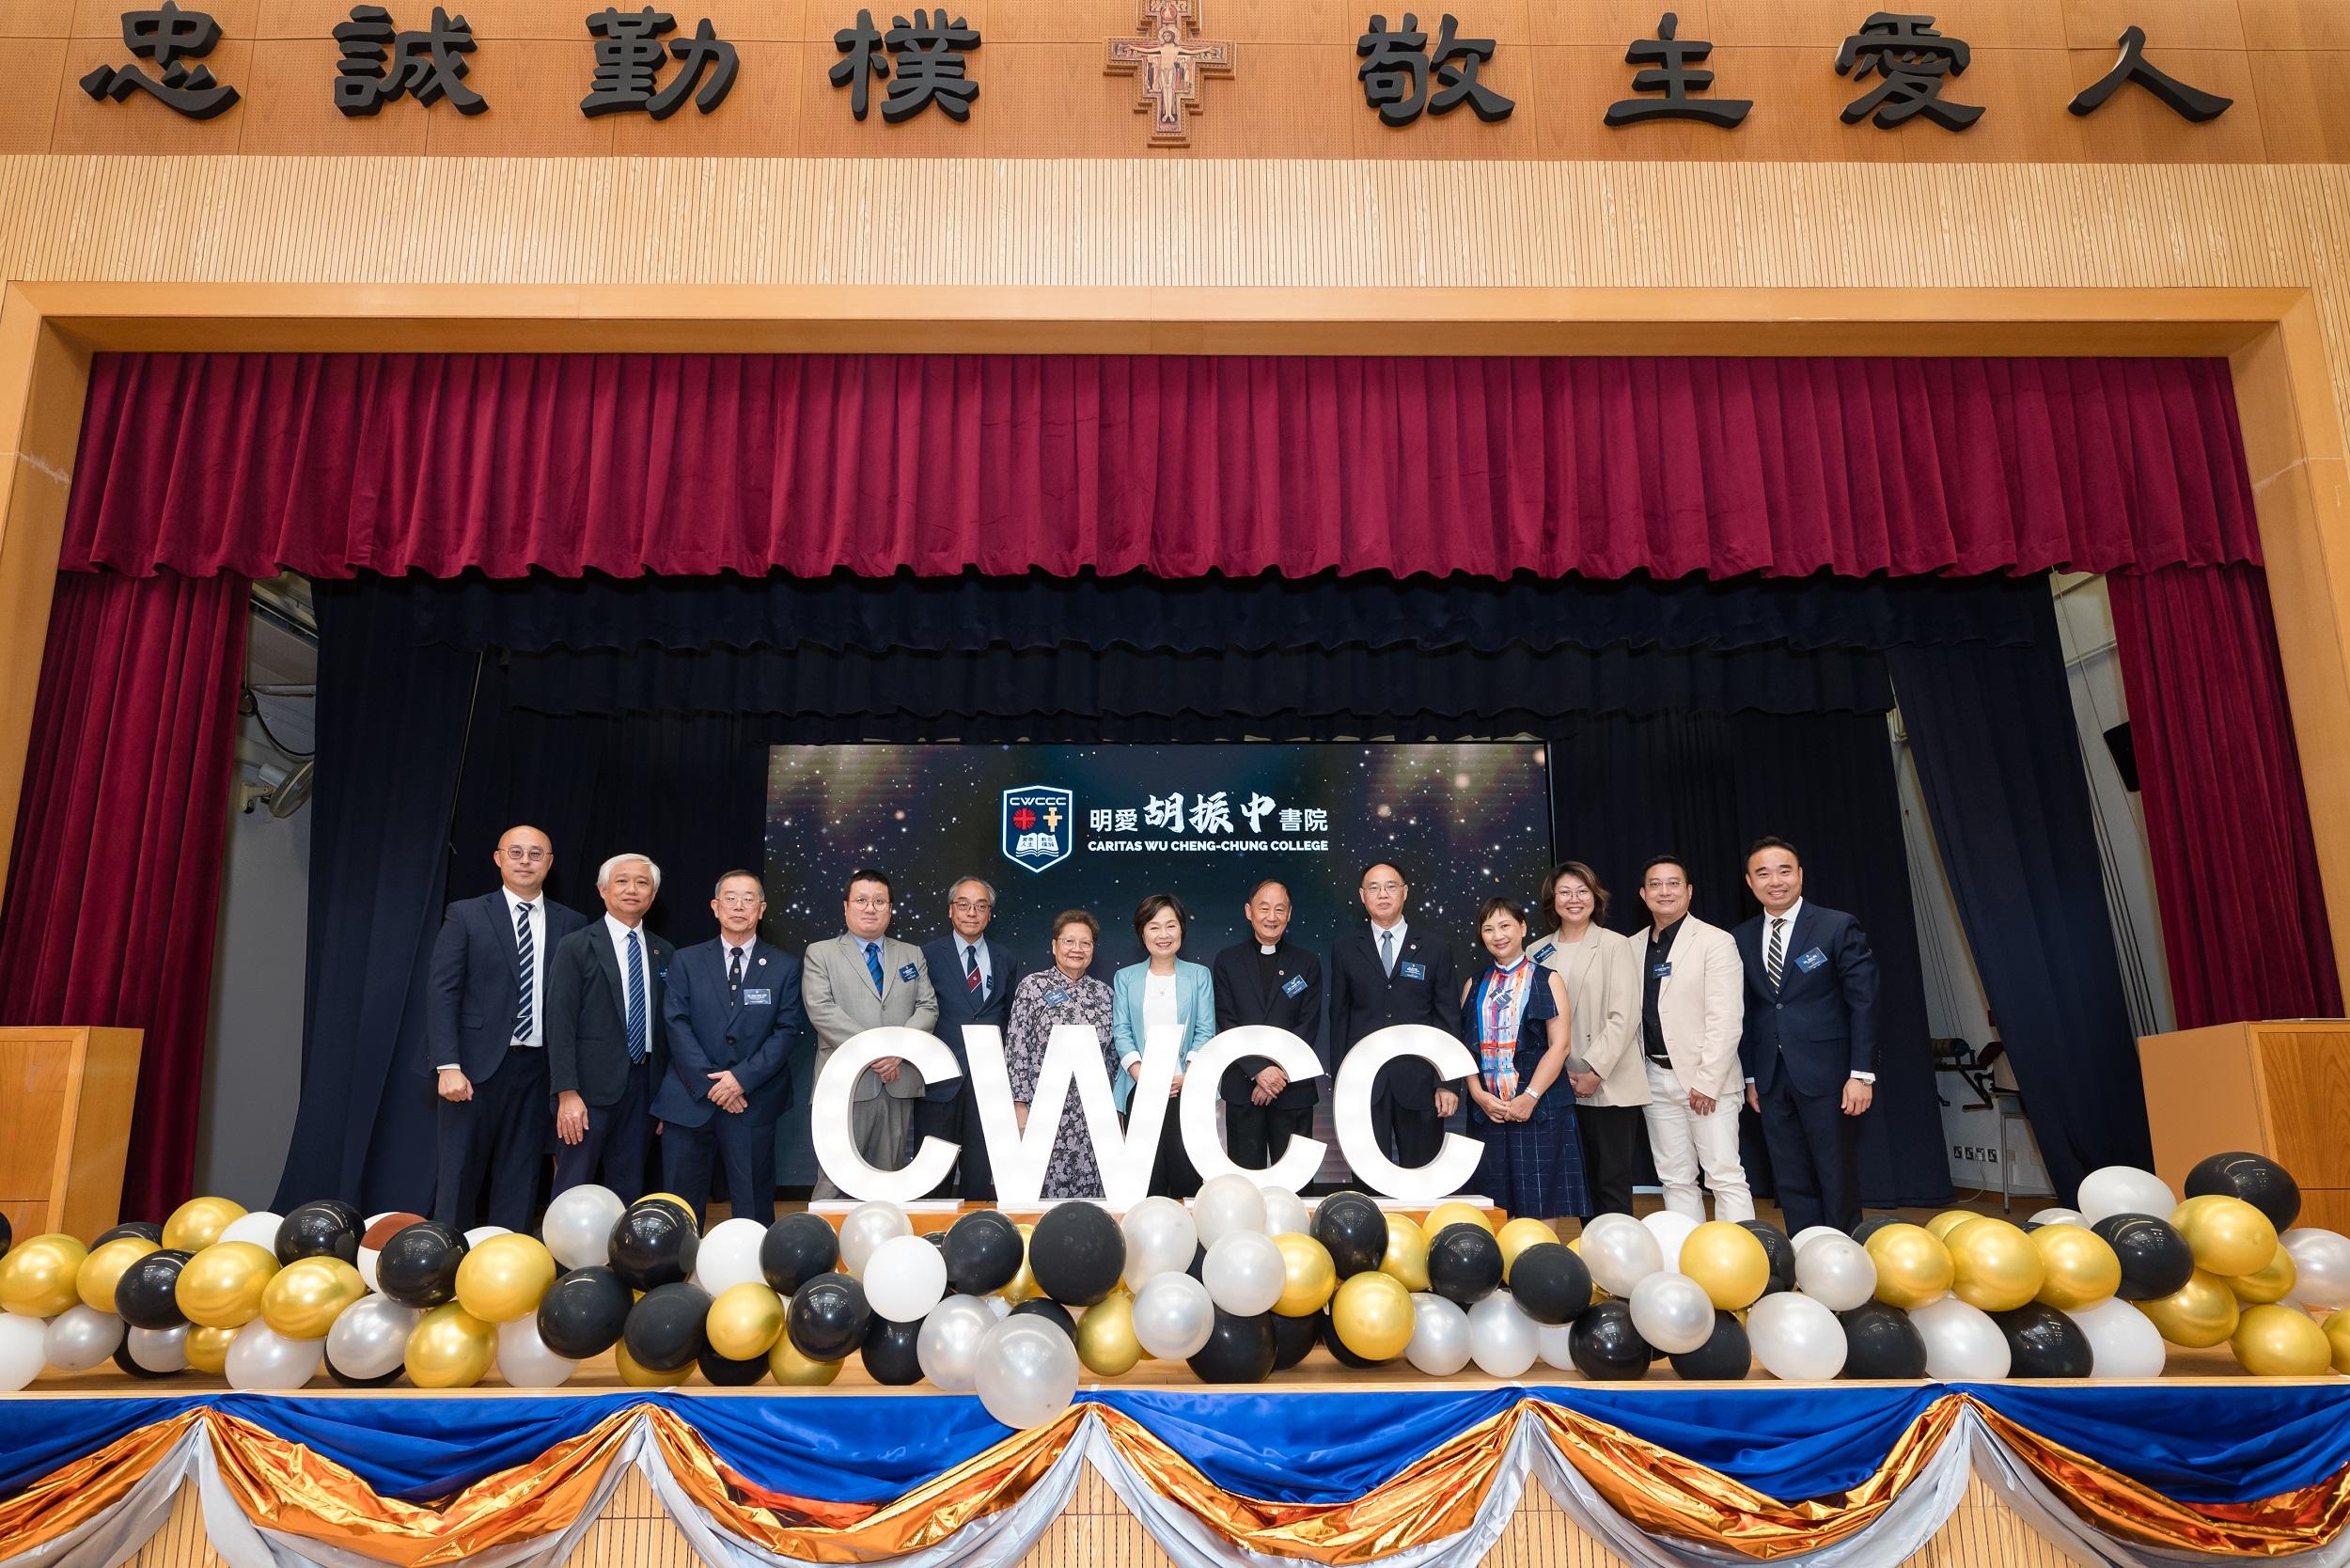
[(162, 36), (2191, 105), (629, 58)]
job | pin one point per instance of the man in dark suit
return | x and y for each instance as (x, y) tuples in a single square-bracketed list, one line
[(604, 1033), (485, 1036), (974, 980), (732, 1010), (1809, 1048), (1266, 979), (1383, 974)]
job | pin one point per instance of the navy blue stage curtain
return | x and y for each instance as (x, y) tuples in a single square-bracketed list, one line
[(1999, 757)]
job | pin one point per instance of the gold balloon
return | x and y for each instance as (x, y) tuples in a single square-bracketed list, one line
[(2227, 1236), (794, 1371), (221, 1286), (1373, 1315), (2198, 1315), (745, 1321), (197, 1223), (1106, 1334), (637, 1375), (1458, 1214), (2077, 1269), (208, 1349), (2280, 1341), (103, 1269), (504, 1278), (450, 1348), (303, 1299), (1913, 1267), (1519, 1234), (1730, 1262), (1941, 1225), (2337, 1337), (1022, 1287), (38, 1280), (1408, 1251), (2269, 1284), (1310, 1276), (1995, 1267)]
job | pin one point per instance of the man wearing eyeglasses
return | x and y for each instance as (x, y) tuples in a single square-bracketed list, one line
[(974, 980), (860, 979), (485, 1035), (733, 1010), (1383, 974)]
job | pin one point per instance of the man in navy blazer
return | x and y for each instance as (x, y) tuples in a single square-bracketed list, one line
[(1383, 974), (733, 1007), (485, 1037), (974, 980), (605, 1034), (1810, 1047)]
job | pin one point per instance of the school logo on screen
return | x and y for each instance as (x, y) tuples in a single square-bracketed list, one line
[(1040, 826)]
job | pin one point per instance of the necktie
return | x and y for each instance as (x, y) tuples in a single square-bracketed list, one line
[(1773, 959), (524, 966), (971, 970), (1387, 952), (872, 964), (636, 1013), (734, 969)]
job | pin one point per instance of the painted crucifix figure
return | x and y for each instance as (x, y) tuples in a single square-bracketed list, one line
[(1168, 60)]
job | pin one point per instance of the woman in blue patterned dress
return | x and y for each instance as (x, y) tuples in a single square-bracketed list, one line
[(1514, 1017)]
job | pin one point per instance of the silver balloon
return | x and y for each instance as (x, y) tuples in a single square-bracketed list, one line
[(2123, 1190), (2321, 1262), (948, 1345), (1285, 1214), (160, 1350), (19, 1351), (1836, 1272), (1963, 1344), (2123, 1342), (1555, 1344), (371, 1337), (865, 1227), (1440, 1336), (1673, 1313), (1810, 1233), (262, 1360), (1160, 1237), (1244, 1273), (1027, 1373), (2060, 1216), (524, 1360), (79, 1338), (1621, 1256), (1173, 1316), (1501, 1338), (1226, 1204), (579, 1226), (1796, 1340)]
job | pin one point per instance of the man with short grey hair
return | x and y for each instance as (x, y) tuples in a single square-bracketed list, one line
[(974, 981), (604, 1033)]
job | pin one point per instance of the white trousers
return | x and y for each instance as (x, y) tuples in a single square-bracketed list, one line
[(1684, 1142)]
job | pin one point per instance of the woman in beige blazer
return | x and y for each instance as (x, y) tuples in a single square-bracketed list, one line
[(1602, 969)]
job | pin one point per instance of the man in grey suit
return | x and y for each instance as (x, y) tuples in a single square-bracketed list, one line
[(861, 979)]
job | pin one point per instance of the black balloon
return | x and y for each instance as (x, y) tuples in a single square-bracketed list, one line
[(1606, 1347), (1463, 1264), (583, 1313), (1550, 1283), (123, 1361), (318, 1231), (1353, 1229), (2043, 1343), (1293, 1339), (1327, 1331), (381, 1380), (1725, 1356), (1051, 1311), (1779, 1248), (7, 1235), (670, 1327), (720, 1372), (144, 1230), (1881, 1341), (797, 1249), (936, 1238), (888, 1354), (2255, 1178), (984, 1249), (417, 1266), (1239, 1350), (1199, 1262), (1867, 1228), (670, 1206), (146, 1294), (829, 1318), (349, 1212), (1078, 1252), (652, 1246), (2156, 1259)]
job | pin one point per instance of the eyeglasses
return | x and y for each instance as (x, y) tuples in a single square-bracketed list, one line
[(741, 900), (528, 855), (971, 906), (865, 901), (1383, 888)]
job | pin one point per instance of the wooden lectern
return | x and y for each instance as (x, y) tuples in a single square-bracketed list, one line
[(2279, 1089), (65, 1126)]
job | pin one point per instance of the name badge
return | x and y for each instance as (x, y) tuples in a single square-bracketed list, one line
[(908, 972), (1661, 968), (1543, 952), (1293, 986), (1810, 961), (1414, 971), (1054, 998), (759, 998)]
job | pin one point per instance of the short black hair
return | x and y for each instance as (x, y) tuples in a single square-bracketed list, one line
[(1673, 860), (867, 873), (1500, 905), (1260, 884), (1772, 841), (1156, 904)]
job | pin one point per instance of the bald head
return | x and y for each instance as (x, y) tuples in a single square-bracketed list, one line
[(524, 856)]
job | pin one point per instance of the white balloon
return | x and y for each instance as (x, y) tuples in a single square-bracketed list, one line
[(948, 1345), (160, 1350), (729, 1256), (1027, 1373), (524, 1360), (262, 1360), (578, 1225), (1440, 1336), (1285, 1214), (1796, 1340), (1673, 1313), (1670, 1229), (2321, 1260), (1621, 1256), (370, 1337), (865, 1227), (1226, 1204), (79, 1338), (259, 1227), (2124, 1189), (1810, 1233), (1174, 1316), (1502, 1339), (1244, 1273), (1836, 1272), (1160, 1237), (20, 1356), (905, 1279), (480, 1233), (2062, 1216), (1963, 1344), (2123, 1342)]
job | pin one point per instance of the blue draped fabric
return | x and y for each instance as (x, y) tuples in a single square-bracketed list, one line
[(2206, 1442), (1308, 1446)]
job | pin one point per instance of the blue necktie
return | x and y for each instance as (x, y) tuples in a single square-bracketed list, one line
[(872, 964), (523, 971), (635, 1001)]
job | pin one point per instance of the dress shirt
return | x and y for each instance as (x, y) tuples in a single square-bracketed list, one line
[(1403, 931), (1787, 956), (618, 932), (963, 964)]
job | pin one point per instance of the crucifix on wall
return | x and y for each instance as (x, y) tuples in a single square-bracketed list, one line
[(1168, 60)]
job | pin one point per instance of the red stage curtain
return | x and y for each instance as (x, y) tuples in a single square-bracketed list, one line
[(2244, 920), (688, 465), (113, 889)]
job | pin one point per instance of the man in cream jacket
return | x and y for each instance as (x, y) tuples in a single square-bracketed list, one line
[(1693, 1008)]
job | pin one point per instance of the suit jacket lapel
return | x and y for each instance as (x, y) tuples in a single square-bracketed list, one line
[(601, 943)]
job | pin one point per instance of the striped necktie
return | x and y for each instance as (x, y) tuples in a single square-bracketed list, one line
[(638, 1014), (1775, 957), (526, 967)]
